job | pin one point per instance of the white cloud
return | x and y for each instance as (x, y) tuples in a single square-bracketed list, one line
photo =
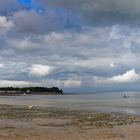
[(113, 65), (103, 53), (67, 83), (37, 70), (72, 83), (5, 24), (128, 77), (1, 65), (25, 43), (10, 83)]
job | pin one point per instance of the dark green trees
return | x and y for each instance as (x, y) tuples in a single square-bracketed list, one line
[(32, 89)]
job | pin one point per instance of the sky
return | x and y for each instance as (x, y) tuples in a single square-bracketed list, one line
[(76, 45)]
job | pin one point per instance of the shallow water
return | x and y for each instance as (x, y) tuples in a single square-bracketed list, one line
[(106, 102)]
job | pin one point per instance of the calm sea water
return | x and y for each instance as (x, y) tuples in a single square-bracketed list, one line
[(106, 102)]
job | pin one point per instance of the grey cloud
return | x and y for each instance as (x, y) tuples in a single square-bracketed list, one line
[(63, 37), (94, 44), (34, 22), (78, 56), (93, 12), (101, 12), (29, 21)]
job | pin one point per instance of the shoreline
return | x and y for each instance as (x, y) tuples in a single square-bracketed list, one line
[(33, 93), (23, 123)]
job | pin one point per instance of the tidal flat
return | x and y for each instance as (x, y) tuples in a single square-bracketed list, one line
[(45, 123)]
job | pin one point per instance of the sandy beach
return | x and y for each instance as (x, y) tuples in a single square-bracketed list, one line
[(38, 123)]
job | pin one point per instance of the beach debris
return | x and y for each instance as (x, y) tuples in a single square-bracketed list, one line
[(30, 107), (125, 96)]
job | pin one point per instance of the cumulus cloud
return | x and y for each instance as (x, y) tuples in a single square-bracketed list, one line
[(5, 24), (40, 70), (128, 77), (101, 55)]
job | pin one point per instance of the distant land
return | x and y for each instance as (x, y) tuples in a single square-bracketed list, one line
[(30, 90)]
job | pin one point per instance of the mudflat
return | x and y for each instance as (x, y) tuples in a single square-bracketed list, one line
[(42, 123)]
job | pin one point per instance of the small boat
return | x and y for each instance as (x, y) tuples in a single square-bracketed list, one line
[(24, 94)]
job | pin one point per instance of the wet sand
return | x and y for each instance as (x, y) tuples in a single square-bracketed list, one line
[(22, 123)]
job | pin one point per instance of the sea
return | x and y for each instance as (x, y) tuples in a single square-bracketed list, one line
[(100, 101)]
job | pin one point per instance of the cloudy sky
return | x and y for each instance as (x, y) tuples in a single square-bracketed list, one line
[(77, 45)]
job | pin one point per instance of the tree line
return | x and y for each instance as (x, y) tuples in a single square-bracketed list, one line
[(31, 89)]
